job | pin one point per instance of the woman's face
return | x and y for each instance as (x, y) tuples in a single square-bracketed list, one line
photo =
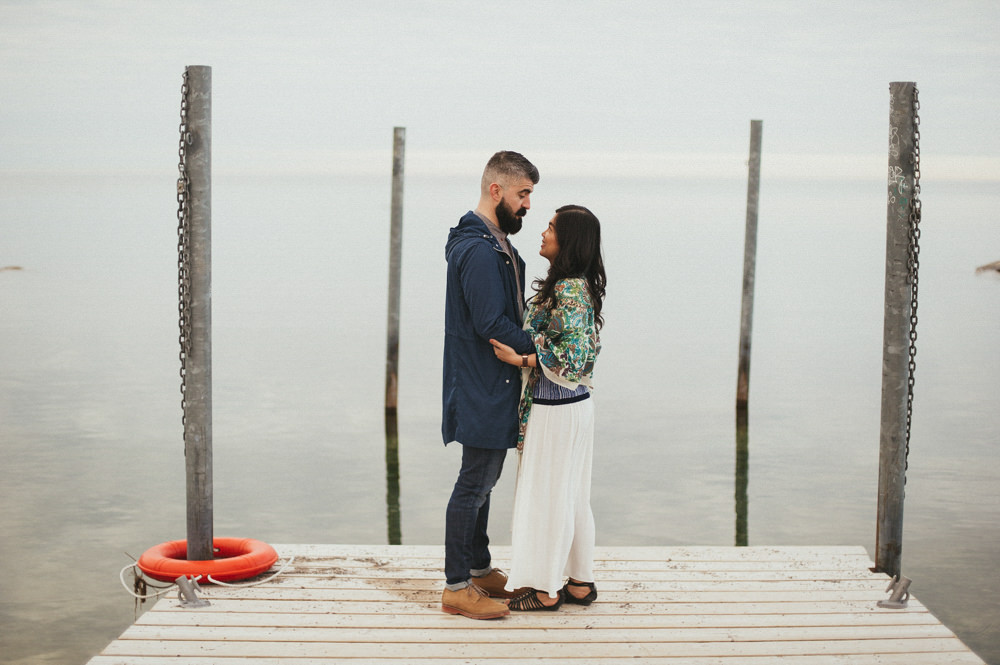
[(550, 243)]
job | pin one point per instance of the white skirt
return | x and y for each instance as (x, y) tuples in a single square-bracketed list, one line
[(553, 526)]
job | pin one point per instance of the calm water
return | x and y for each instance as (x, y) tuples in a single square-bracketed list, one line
[(90, 433)]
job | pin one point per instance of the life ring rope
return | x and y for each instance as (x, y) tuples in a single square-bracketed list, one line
[(163, 590), (170, 587), (290, 561)]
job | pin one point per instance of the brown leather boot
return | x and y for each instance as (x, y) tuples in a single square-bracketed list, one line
[(472, 602), (494, 583)]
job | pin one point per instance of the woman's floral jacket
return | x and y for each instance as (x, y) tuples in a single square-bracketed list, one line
[(566, 341)]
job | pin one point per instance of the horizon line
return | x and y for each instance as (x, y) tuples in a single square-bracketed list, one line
[(589, 164)]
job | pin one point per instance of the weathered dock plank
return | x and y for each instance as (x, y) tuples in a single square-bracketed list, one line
[(683, 606)]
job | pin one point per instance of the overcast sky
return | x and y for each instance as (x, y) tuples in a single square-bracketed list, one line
[(637, 85)]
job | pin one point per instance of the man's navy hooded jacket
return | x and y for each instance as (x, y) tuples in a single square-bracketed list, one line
[(480, 393)]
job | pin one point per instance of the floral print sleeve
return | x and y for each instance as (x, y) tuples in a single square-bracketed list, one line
[(566, 341), (565, 338)]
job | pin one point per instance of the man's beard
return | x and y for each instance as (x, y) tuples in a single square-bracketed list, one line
[(508, 220)]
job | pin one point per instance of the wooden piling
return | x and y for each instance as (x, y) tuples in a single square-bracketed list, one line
[(749, 265), (896, 330), (198, 367), (392, 340), (395, 261)]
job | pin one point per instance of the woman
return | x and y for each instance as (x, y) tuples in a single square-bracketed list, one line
[(553, 525)]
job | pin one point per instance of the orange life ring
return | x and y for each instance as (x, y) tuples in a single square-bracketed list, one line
[(236, 559)]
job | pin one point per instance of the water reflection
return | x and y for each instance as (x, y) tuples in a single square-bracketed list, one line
[(742, 475), (395, 532)]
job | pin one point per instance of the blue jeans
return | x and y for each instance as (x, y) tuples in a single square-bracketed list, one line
[(466, 545)]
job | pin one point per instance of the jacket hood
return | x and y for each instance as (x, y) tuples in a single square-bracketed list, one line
[(469, 227)]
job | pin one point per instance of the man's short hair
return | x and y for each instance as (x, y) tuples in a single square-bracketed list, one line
[(507, 165)]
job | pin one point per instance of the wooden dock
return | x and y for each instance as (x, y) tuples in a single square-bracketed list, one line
[(676, 605)]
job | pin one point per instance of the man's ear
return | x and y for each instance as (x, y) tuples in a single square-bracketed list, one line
[(496, 192)]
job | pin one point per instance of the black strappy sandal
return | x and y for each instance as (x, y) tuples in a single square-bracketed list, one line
[(528, 602), (586, 600)]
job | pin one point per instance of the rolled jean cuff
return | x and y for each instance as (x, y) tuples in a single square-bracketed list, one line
[(458, 586)]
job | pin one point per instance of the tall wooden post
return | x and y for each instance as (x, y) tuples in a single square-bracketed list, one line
[(395, 261), (896, 331), (749, 265), (392, 341), (198, 366)]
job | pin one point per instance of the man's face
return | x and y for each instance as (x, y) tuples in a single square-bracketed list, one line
[(515, 201)]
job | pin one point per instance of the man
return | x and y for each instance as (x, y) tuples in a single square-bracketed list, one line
[(485, 299)]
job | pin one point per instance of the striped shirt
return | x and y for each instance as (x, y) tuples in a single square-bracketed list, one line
[(547, 392)]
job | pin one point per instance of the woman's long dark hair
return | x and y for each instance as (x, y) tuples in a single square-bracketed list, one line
[(578, 233)]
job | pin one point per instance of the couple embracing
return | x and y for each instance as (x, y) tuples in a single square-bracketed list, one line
[(518, 375)]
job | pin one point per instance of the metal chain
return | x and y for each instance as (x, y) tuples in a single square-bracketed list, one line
[(183, 246), (913, 264)]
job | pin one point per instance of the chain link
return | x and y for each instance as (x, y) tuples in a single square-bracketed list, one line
[(183, 246), (913, 264)]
